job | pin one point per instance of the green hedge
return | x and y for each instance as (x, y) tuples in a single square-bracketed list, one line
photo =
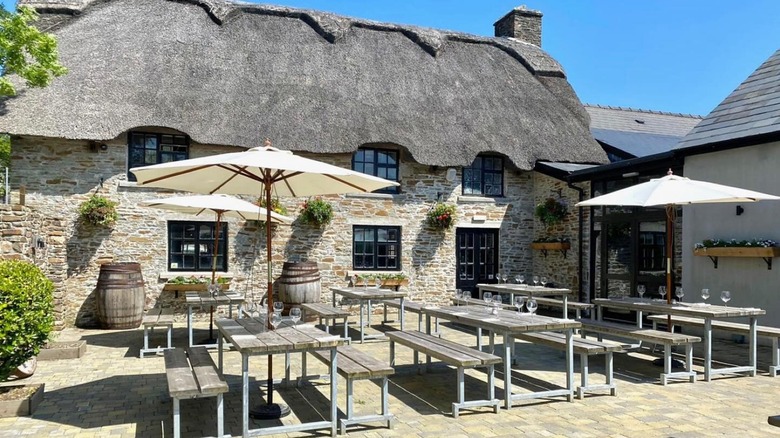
[(26, 318)]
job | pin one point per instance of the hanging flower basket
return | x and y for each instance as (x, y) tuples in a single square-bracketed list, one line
[(552, 211), (441, 216), (317, 212), (98, 211)]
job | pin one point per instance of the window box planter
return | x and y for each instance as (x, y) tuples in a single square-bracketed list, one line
[(394, 283), (20, 400), (563, 247), (766, 253), (63, 350)]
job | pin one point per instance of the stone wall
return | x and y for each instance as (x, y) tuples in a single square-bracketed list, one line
[(59, 174)]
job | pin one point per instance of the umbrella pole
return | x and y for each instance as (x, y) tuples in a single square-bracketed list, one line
[(669, 251), (214, 274)]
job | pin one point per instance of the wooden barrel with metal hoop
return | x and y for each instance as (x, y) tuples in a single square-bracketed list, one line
[(120, 296), (299, 283)]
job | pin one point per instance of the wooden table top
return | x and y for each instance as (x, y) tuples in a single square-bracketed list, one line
[(700, 310), (249, 335), (370, 293), (203, 297), (524, 289), (505, 321)]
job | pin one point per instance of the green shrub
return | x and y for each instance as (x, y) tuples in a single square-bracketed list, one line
[(276, 206), (26, 318), (98, 210), (441, 216), (317, 212), (551, 211)]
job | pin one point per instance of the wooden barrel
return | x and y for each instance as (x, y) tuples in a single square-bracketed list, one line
[(299, 283), (120, 296)]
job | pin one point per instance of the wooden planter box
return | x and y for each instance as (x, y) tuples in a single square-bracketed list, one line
[(562, 246), (23, 406), (63, 350), (738, 251), (190, 287), (394, 283)]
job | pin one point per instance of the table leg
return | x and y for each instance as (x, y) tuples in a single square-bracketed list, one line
[(220, 343), (707, 349), (245, 394), (362, 336), (402, 313), (570, 363), (189, 326), (752, 344), (565, 307), (507, 376), (333, 391)]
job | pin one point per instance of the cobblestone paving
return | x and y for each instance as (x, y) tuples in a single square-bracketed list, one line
[(110, 392)]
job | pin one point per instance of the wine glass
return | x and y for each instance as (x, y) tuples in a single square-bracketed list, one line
[(705, 293), (522, 278), (725, 296), (662, 291), (276, 319), (503, 277), (517, 279), (497, 301), (536, 280), (531, 306), (640, 290), (519, 301), (680, 293), (458, 296), (249, 308), (543, 281), (295, 315), (278, 307), (487, 297)]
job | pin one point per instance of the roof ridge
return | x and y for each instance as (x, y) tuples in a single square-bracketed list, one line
[(646, 111)]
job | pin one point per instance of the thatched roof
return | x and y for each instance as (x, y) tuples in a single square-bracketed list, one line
[(234, 73)]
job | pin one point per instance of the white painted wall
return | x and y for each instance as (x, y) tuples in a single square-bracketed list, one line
[(750, 282)]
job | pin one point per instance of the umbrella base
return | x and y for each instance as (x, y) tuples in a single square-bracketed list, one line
[(676, 364), (269, 411)]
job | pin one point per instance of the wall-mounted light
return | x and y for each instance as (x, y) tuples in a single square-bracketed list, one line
[(451, 174), (439, 196), (740, 210), (630, 174), (95, 146), (103, 147)]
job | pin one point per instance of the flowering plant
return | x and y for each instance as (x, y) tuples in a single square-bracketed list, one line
[(99, 211), (317, 211), (552, 240), (551, 211), (441, 216), (276, 206), (723, 243)]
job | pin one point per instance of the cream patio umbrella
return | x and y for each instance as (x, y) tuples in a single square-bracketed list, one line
[(222, 206), (671, 191), (259, 171)]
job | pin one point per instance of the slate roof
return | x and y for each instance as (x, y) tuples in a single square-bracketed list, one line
[(230, 73), (639, 132), (750, 110)]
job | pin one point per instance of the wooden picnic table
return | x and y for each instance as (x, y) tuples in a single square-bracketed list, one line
[(365, 295), (529, 291), (697, 310), (204, 299), (507, 323), (251, 337)]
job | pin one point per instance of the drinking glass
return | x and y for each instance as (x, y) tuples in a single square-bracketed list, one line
[(705, 293), (543, 281), (679, 292), (503, 277), (249, 308), (276, 319), (487, 297), (725, 296), (519, 301), (662, 292), (536, 280), (531, 306), (497, 301), (278, 307), (458, 296), (522, 278), (295, 315), (640, 290)]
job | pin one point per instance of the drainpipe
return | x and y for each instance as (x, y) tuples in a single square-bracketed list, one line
[(580, 233)]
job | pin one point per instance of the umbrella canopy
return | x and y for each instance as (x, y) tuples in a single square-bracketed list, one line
[(259, 171), (671, 191), (224, 205)]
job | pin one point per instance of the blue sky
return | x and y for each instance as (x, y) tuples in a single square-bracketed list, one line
[(668, 55)]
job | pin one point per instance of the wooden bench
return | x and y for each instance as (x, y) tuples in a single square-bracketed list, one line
[(585, 348), (733, 327), (409, 306), (156, 317), (667, 339), (327, 313), (193, 375), (353, 365), (454, 354)]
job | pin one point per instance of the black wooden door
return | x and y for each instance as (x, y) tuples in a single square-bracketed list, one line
[(477, 258)]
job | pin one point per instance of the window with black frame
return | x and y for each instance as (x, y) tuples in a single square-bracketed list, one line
[(485, 176), (376, 247), (191, 246), (377, 162), (145, 148)]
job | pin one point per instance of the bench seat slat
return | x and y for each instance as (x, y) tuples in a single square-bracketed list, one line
[(409, 306), (181, 381), (355, 364), (486, 358), (443, 350), (580, 345), (642, 334), (731, 326), (324, 310), (209, 379)]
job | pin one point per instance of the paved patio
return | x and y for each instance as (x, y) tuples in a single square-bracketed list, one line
[(111, 392)]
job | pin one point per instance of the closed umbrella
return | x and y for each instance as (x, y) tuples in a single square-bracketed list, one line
[(259, 171), (222, 206), (671, 191)]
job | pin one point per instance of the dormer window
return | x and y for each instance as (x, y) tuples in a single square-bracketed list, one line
[(377, 162), (485, 176)]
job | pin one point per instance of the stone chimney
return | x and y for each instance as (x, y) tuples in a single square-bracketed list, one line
[(521, 23)]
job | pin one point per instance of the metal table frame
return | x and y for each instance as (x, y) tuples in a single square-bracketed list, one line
[(365, 296), (529, 291), (203, 298)]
